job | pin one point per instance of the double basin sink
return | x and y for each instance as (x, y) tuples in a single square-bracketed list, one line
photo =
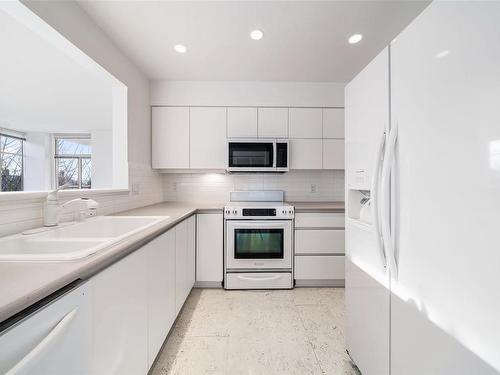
[(75, 240)]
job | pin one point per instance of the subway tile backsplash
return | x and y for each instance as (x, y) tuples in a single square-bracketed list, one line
[(298, 185)]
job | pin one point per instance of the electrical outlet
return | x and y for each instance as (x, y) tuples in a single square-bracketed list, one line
[(175, 186), (313, 188)]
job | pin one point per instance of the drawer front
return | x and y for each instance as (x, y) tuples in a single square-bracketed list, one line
[(320, 220), (268, 280), (320, 241), (319, 267)]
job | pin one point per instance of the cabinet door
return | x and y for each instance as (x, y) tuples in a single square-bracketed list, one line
[(120, 316), (333, 153), (333, 123), (181, 259), (191, 259), (59, 333), (306, 123), (273, 123), (161, 290), (366, 119), (170, 137), (321, 267), (209, 248), (208, 138), (242, 122), (306, 154)]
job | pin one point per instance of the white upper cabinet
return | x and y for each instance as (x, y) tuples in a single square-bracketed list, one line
[(333, 154), (208, 138), (306, 123), (242, 122), (273, 123), (333, 123), (170, 137), (306, 154)]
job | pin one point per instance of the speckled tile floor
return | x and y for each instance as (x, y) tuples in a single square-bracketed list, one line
[(299, 331)]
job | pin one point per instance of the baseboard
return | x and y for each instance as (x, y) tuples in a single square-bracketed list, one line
[(319, 283), (208, 284)]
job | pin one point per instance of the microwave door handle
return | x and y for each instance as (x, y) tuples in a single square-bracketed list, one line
[(275, 156)]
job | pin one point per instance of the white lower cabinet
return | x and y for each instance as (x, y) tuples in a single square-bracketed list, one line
[(136, 301), (161, 290), (319, 249), (209, 249), (184, 261), (320, 241), (320, 267), (53, 340), (120, 317)]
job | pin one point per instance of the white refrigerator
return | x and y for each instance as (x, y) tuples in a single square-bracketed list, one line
[(423, 271)]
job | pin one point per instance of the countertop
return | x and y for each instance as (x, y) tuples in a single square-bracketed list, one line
[(24, 283), (318, 206)]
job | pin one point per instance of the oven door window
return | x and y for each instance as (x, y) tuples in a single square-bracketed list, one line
[(258, 243), (250, 155)]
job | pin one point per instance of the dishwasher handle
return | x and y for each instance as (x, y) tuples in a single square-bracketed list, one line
[(43, 346)]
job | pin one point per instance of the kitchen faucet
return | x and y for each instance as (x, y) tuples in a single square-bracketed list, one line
[(52, 208)]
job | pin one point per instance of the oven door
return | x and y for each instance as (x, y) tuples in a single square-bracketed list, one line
[(250, 156), (258, 245)]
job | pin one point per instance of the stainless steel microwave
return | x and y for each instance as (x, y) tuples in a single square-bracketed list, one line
[(257, 155)]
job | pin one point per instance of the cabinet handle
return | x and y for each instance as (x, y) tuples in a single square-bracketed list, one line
[(386, 196), (42, 347), (375, 199)]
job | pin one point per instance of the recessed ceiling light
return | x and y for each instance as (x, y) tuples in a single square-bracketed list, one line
[(256, 34), (180, 48), (356, 38)]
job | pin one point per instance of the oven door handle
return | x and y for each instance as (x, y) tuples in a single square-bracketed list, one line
[(268, 278)]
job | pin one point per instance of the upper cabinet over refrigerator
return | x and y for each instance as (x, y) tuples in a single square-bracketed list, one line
[(367, 118)]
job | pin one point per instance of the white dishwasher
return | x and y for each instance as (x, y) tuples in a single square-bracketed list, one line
[(54, 339)]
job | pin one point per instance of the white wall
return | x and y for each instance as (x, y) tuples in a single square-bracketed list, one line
[(38, 161), (306, 94), (102, 158), (74, 24)]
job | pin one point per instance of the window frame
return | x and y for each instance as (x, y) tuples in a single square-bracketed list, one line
[(79, 157), (22, 139)]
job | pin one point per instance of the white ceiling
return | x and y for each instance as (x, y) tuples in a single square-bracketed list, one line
[(303, 40), (43, 89)]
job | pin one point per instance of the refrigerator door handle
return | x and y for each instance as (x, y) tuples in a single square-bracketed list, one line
[(386, 196), (375, 198)]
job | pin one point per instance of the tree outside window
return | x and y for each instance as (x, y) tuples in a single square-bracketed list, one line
[(73, 163), (11, 163)]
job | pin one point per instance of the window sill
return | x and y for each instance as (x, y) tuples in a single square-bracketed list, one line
[(37, 195)]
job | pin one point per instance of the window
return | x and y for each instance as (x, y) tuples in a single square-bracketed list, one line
[(73, 164), (11, 162)]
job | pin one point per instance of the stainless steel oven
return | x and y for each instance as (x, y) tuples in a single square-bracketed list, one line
[(257, 155)]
